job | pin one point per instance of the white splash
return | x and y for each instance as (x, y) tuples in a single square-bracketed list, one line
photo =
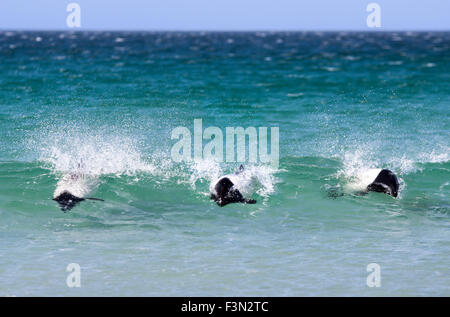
[(79, 185), (253, 179), (95, 156), (358, 171), (362, 179)]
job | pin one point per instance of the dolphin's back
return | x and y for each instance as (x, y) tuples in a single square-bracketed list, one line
[(67, 201), (385, 182)]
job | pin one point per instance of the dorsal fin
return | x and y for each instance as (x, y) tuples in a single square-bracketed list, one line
[(240, 169)]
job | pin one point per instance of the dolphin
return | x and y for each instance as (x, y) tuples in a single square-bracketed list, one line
[(67, 201), (225, 192), (385, 182), (372, 180), (71, 190)]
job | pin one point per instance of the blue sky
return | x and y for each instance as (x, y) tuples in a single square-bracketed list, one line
[(225, 14)]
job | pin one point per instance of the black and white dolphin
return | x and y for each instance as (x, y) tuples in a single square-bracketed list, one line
[(385, 182), (67, 201), (71, 190), (370, 180), (225, 192)]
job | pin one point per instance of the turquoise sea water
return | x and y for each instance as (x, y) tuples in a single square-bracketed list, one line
[(343, 102)]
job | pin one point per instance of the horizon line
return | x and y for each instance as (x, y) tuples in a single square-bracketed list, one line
[(221, 30)]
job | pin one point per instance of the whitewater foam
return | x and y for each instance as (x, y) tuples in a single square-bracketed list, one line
[(93, 154), (79, 185), (253, 179)]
